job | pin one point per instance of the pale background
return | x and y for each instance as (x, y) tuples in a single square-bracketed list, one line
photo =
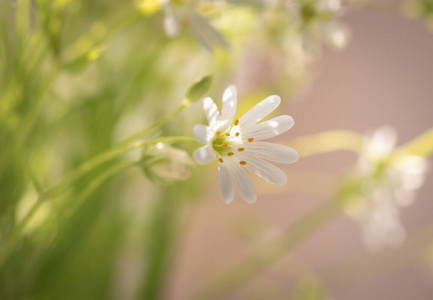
[(385, 76)]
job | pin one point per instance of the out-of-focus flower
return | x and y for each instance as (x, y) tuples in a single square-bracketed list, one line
[(178, 13), (164, 164), (316, 19), (387, 181), (239, 146)]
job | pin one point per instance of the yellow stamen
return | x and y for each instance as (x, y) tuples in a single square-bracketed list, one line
[(237, 134), (220, 160), (217, 133), (227, 134), (242, 162), (230, 153), (241, 149), (236, 122), (250, 140), (224, 145)]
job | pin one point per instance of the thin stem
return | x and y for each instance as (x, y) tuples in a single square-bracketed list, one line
[(104, 157), (420, 146), (271, 252), (328, 141), (10, 243), (104, 176), (12, 240), (155, 125)]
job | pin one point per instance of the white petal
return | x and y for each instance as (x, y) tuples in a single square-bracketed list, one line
[(226, 184), (260, 110), (243, 181), (266, 170), (203, 134), (273, 152), (229, 107), (204, 155), (211, 111), (246, 187), (270, 128)]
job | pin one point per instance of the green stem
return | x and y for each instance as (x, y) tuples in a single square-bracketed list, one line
[(104, 157), (22, 19), (13, 239), (328, 141), (419, 146), (104, 176), (271, 252), (155, 125), (162, 239)]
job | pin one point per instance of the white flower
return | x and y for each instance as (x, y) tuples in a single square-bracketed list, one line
[(389, 182), (239, 146)]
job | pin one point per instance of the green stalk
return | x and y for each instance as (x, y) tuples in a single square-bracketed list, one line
[(163, 235), (269, 253), (155, 125), (90, 165), (328, 141), (419, 146), (13, 239)]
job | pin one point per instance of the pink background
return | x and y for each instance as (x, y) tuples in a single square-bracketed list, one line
[(385, 76)]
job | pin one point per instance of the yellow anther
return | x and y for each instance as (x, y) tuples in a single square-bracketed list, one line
[(217, 133), (230, 153), (242, 162), (227, 134), (220, 160), (241, 149), (224, 145), (237, 134), (250, 140), (236, 122)]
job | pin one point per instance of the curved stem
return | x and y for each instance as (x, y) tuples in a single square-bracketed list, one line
[(155, 125), (271, 252), (328, 141), (11, 241), (104, 157), (419, 146)]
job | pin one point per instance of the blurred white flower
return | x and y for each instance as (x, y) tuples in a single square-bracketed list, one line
[(317, 21), (164, 163), (205, 33), (239, 147), (388, 182)]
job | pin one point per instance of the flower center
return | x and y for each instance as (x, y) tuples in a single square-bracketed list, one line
[(221, 144)]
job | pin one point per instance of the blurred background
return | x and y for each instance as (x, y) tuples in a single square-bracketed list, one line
[(79, 77)]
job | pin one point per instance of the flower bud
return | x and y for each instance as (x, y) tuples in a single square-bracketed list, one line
[(199, 88), (163, 163)]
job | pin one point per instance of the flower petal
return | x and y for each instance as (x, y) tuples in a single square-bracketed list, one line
[(243, 182), (268, 129), (211, 111), (273, 152), (204, 155), (229, 107), (266, 170), (203, 134), (260, 110), (226, 184)]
